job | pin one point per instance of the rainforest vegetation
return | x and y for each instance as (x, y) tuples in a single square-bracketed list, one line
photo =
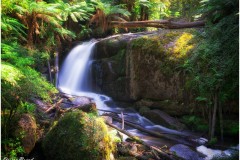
[(34, 32)]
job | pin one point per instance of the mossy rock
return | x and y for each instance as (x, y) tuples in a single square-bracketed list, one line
[(26, 128), (78, 135)]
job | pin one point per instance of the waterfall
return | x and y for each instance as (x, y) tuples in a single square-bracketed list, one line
[(73, 76), (74, 79)]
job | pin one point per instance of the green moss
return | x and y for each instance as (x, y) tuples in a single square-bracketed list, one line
[(170, 49), (120, 55), (78, 135), (148, 45), (119, 60)]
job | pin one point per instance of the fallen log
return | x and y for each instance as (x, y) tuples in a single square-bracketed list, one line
[(165, 155), (125, 132), (103, 110), (119, 121), (153, 133), (56, 105), (136, 155), (122, 120), (168, 24)]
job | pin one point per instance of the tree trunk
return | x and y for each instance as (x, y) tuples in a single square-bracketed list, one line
[(31, 24), (214, 115), (56, 68), (157, 24), (209, 120), (49, 70), (221, 120)]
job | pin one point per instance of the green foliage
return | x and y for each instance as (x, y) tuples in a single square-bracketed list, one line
[(20, 83), (231, 128), (78, 136), (85, 32), (12, 28), (14, 148), (26, 107), (195, 123), (76, 11), (213, 141), (185, 9), (214, 64), (107, 12), (18, 77)]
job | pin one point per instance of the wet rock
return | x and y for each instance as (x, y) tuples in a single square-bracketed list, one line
[(81, 101), (110, 46), (163, 119), (27, 128), (185, 152), (231, 153)]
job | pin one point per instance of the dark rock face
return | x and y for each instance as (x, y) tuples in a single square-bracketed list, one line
[(135, 67), (109, 68), (185, 152)]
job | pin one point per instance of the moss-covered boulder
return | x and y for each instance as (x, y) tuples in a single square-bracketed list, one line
[(132, 67), (78, 135), (27, 129)]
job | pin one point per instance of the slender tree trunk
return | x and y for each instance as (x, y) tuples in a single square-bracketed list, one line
[(221, 120), (214, 115), (209, 120), (56, 68), (30, 36), (31, 29), (49, 70)]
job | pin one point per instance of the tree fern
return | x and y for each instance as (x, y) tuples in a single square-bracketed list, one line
[(12, 27)]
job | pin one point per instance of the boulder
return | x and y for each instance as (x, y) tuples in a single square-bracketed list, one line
[(131, 67), (78, 135), (185, 152), (81, 102), (162, 118), (27, 129)]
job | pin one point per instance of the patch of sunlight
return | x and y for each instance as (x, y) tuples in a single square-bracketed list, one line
[(151, 29), (182, 45), (10, 74)]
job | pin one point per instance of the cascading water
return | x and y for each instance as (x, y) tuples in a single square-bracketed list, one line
[(73, 80), (72, 76)]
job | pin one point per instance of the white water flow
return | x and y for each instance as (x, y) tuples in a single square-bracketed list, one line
[(74, 80), (74, 70)]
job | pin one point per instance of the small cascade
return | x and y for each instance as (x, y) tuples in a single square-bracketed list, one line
[(74, 74)]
